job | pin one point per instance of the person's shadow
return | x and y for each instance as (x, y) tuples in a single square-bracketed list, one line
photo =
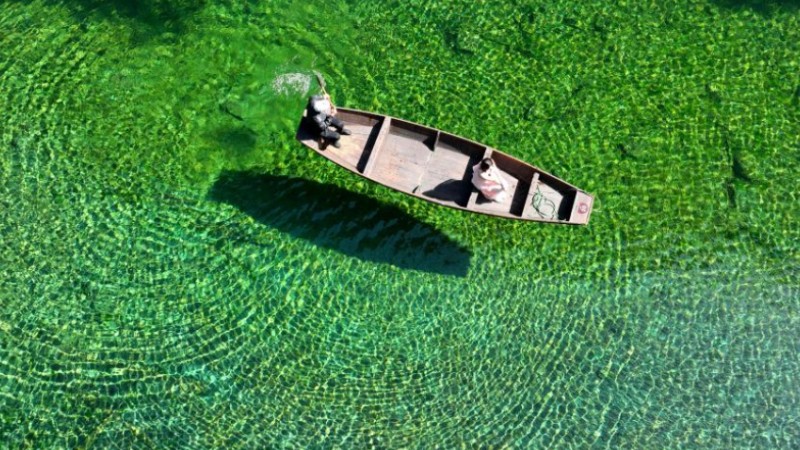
[(341, 220)]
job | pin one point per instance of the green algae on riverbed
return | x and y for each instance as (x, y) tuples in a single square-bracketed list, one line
[(162, 287)]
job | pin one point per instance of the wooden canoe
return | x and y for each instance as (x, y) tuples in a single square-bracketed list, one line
[(437, 166)]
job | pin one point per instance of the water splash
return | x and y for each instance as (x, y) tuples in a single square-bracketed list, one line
[(292, 83)]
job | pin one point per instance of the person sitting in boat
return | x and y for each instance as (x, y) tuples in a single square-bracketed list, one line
[(323, 119), (486, 177)]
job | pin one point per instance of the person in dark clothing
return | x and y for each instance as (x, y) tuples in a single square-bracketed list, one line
[(322, 117)]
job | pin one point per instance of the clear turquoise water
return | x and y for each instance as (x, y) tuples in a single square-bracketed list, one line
[(177, 272)]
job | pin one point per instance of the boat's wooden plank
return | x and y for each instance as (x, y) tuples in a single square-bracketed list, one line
[(446, 157), (450, 163), (397, 172), (409, 143), (405, 156), (581, 208), (459, 144), (527, 210), (447, 175), (375, 151), (429, 166), (473, 197), (403, 159), (447, 182), (351, 147)]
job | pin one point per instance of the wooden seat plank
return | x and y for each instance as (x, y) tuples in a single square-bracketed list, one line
[(531, 192), (376, 147)]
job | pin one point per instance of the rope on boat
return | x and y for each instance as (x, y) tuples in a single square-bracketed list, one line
[(538, 199)]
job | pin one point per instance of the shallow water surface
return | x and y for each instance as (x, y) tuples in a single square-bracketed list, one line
[(178, 272)]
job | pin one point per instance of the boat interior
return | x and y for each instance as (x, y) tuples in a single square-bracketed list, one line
[(438, 166)]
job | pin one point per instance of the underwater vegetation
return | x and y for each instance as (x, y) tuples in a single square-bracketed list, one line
[(176, 271)]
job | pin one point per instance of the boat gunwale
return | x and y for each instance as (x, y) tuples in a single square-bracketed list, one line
[(380, 118)]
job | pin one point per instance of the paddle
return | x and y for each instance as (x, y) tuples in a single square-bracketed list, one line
[(321, 81)]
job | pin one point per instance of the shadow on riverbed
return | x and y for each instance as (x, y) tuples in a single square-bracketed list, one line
[(341, 220), (154, 16), (761, 6)]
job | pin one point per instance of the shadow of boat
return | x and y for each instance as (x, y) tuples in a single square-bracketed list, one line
[(335, 218), (150, 18), (765, 7)]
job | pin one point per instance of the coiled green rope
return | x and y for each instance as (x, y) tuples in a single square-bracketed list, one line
[(537, 202)]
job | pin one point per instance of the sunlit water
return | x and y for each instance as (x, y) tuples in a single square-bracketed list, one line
[(178, 272)]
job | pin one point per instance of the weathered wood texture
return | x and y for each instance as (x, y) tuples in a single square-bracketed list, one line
[(437, 166)]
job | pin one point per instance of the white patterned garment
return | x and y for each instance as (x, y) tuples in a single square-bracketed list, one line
[(490, 183)]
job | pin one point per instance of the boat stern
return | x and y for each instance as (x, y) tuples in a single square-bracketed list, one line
[(581, 208)]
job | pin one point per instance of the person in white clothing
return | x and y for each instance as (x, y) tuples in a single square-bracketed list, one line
[(486, 177)]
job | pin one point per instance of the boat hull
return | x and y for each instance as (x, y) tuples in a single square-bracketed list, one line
[(436, 166)]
